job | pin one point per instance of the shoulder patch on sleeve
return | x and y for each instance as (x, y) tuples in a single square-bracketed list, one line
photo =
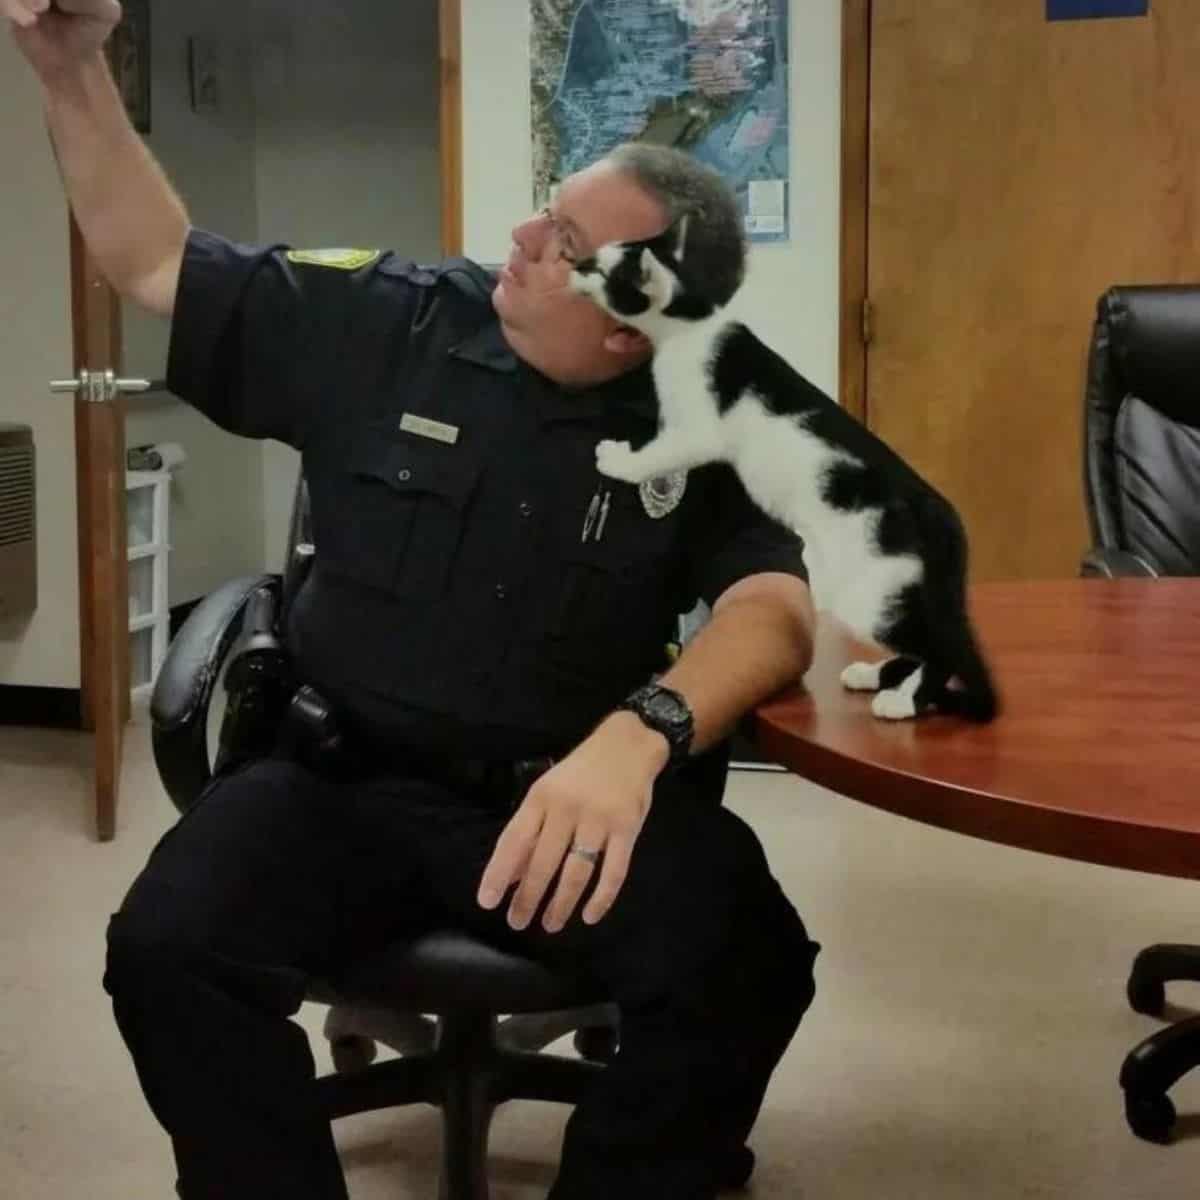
[(341, 260)]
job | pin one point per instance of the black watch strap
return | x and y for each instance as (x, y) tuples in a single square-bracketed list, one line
[(664, 710)]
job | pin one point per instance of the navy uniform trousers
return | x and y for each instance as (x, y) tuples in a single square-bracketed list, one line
[(278, 875)]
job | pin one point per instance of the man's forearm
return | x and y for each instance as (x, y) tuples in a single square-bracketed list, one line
[(748, 650), (134, 224)]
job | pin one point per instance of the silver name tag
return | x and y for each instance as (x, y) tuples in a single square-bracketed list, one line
[(424, 427)]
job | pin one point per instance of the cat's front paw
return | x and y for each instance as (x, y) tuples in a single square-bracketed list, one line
[(616, 460), (861, 677), (893, 705)]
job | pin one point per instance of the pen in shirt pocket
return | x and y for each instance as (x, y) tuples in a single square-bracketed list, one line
[(592, 509), (597, 516), (603, 515)]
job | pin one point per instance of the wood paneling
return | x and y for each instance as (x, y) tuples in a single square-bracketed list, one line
[(1017, 168)]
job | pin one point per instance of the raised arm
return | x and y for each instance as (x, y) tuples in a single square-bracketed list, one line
[(134, 224)]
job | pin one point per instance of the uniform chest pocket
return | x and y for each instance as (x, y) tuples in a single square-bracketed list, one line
[(614, 595), (404, 510)]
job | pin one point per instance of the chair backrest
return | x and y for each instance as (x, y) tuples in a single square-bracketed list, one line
[(1142, 426)]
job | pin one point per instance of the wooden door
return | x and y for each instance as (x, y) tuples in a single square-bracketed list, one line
[(100, 495), (1017, 167)]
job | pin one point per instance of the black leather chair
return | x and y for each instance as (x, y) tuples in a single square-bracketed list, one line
[(1142, 484), (463, 1057)]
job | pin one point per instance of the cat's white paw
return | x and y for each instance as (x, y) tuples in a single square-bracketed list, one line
[(616, 459), (894, 705), (861, 677)]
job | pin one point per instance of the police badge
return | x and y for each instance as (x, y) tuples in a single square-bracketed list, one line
[(662, 494)]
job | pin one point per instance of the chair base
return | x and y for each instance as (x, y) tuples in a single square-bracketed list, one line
[(467, 1074), (1153, 968), (1150, 1069)]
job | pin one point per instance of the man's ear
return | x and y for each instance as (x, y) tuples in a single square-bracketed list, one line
[(625, 340)]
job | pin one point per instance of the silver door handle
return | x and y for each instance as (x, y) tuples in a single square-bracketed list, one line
[(101, 387)]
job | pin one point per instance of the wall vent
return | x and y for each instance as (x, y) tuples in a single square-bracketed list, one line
[(18, 522)]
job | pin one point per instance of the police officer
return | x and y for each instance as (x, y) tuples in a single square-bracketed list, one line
[(481, 597)]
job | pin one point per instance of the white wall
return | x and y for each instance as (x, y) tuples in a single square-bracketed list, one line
[(35, 347), (348, 151), (327, 136), (217, 495), (791, 296)]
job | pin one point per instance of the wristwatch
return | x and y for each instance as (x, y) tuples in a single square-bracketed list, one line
[(663, 709)]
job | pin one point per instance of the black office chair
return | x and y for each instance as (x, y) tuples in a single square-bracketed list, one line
[(1142, 484), (465, 1059)]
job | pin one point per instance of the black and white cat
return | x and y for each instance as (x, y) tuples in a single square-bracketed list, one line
[(890, 551)]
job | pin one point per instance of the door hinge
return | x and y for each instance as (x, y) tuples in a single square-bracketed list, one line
[(868, 321)]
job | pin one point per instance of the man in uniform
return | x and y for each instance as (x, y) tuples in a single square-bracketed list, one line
[(481, 598)]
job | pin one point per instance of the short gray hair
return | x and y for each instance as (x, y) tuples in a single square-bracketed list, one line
[(684, 186)]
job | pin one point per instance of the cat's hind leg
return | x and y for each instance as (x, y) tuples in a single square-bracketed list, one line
[(920, 690), (900, 701), (877, 676)]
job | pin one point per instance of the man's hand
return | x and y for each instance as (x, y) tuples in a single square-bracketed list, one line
[(58, 35), (596, 799)]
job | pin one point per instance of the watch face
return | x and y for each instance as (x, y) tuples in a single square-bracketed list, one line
[(666, 708)]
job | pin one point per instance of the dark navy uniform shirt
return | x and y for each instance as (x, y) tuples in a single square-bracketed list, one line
[(453, 604)]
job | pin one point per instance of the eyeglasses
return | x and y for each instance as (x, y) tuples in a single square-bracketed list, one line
[(568, 248)]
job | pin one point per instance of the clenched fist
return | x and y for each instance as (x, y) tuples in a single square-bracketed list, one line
[(57, 35)]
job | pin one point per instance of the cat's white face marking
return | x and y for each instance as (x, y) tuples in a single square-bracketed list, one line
[(592, 284), (616, 271), (657, 282)]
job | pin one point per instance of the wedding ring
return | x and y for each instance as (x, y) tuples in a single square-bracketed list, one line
[(592, 856)]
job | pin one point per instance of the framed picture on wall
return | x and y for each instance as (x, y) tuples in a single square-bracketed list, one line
[(204, 80), (130, 51)]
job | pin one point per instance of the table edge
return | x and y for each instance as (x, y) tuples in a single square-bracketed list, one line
[(1084, 837)]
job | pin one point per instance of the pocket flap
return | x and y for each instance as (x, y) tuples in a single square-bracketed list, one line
[(416, 467)]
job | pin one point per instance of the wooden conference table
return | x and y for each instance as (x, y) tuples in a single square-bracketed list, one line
[(1096, 755)]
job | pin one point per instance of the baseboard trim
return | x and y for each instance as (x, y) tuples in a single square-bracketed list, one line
[(44, 707)]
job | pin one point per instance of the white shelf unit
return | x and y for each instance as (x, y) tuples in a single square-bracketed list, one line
[(147, 498)]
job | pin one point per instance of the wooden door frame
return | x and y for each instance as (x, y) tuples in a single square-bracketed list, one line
[(855, 191), (450, 122), (100, 525)]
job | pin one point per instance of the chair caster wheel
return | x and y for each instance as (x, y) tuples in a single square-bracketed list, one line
[(1147, 996), (1150, 1116), (734, 1168), (352, 1054), (597, 1043)]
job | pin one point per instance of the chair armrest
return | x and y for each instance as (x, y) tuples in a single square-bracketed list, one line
[(1102, 562), (186, 682)]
